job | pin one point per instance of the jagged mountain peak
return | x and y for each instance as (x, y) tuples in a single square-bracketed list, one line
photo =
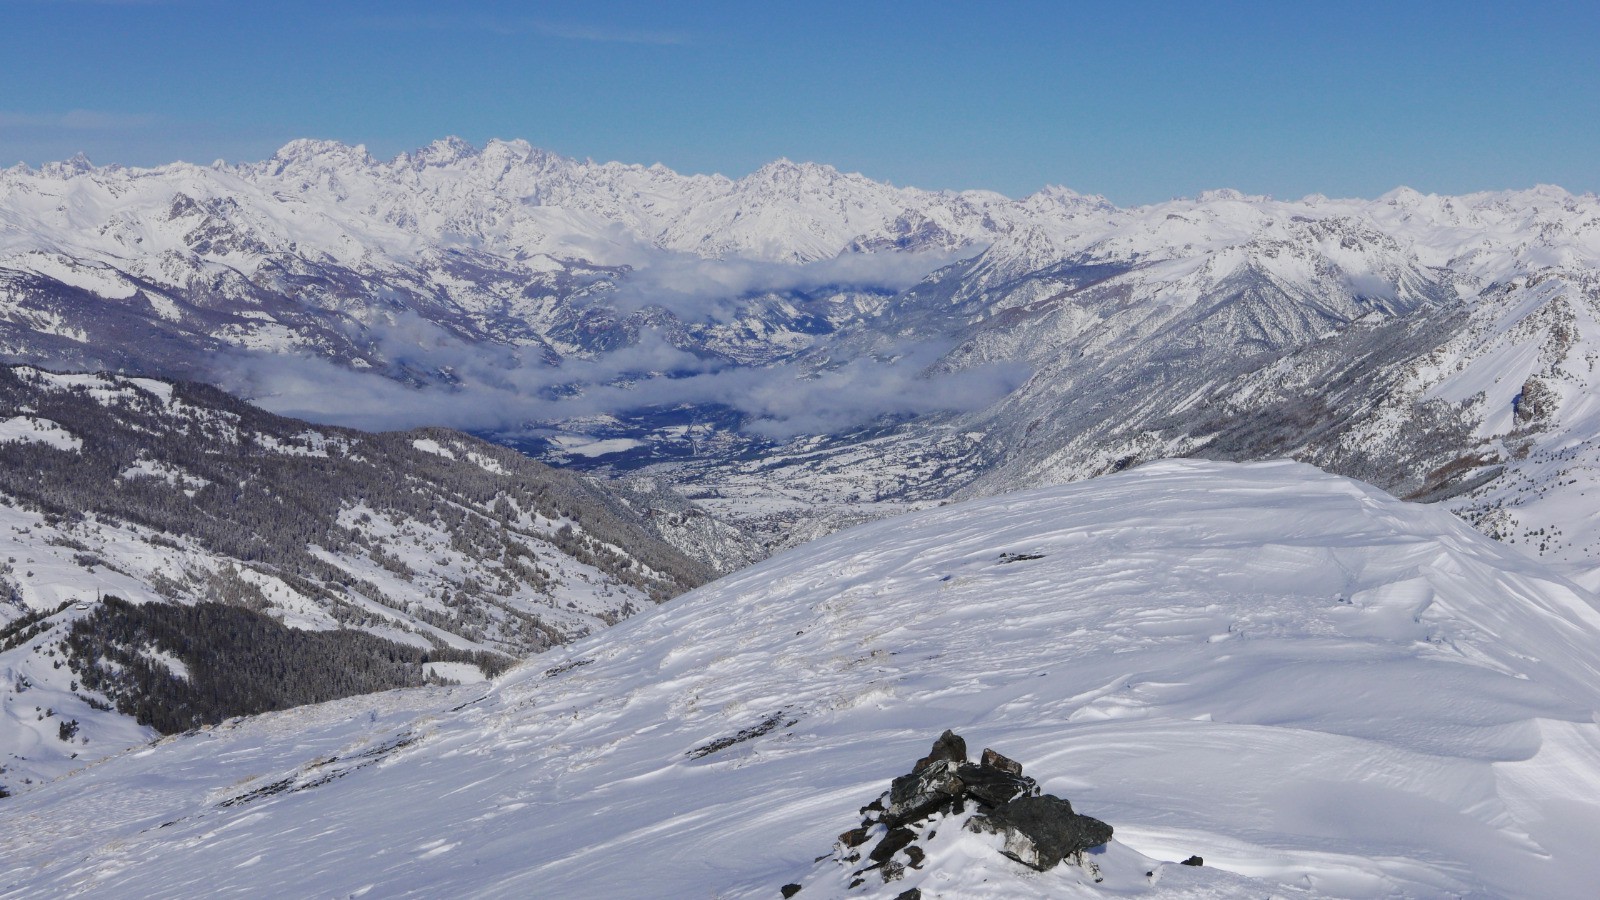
[(786, 169), (78, 164), (514, 150), (783, 211), (1226, 195), (1054, 196), (314, 153), (442, 152)]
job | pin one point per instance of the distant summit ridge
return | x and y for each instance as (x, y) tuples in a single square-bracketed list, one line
[(628, 315)]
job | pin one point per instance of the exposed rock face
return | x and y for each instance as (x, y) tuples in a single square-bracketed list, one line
[(921, 793), (945, 779), (950, 747), (1041, 831), (993, 787), (993, 760), (1535, 404)]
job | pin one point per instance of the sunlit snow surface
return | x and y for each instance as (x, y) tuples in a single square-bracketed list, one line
[(1317, 688)]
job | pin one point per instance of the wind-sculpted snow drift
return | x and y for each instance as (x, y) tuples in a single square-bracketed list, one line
[(1318, 689)]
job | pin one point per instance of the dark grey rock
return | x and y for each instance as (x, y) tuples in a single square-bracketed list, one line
[(789, 890), (1038, 831), (896, 840), (950, 746), (1041, 831), (994, 760), (923, 792), (993, 787), (855, 837), (1193, 861)]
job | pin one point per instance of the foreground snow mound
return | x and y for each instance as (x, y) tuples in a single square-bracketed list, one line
[(1316, 688)]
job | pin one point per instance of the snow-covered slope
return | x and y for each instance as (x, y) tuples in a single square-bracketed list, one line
[(158, 491), (1319, 689)]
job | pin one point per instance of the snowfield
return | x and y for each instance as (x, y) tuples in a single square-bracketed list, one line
[(39, 431), (1319, 689)]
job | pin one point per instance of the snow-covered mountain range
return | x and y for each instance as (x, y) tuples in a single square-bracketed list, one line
[(1317, 689), (323, 250), (738, 337)]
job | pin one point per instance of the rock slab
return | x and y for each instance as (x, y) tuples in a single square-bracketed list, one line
[(1041, 832)]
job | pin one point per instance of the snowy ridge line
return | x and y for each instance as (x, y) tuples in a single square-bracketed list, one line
[(1318, 689), (509, 196)]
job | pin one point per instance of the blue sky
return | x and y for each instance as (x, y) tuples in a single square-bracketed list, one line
[(1139, 101)]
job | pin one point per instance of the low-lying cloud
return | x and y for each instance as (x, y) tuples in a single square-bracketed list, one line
[(435, 377), (490, 388), (697, 288)]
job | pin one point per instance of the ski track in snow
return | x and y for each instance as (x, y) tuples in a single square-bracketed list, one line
[(1319, 689)]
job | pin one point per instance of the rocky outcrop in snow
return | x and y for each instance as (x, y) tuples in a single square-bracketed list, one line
[(1038, 831)]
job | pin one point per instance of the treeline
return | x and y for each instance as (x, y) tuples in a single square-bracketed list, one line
[(237, 661), (28, 626)]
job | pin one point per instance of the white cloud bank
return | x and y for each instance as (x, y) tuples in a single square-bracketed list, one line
[(495, 388)]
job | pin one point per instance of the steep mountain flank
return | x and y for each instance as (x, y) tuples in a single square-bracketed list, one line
[(156, 491)]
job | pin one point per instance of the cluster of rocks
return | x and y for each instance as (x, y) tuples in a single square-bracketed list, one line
[(1038, 831)]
